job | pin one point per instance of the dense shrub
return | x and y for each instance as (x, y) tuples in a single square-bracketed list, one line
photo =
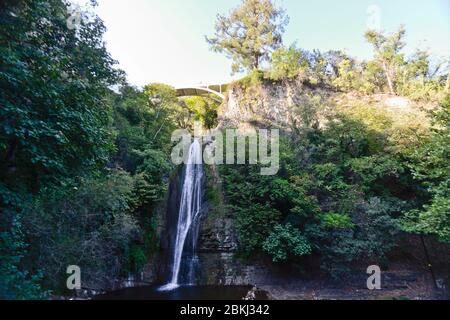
[(286, 241), (430, 166), (87, 223)]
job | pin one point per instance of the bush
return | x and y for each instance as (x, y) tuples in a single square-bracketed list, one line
[(286, 241), (343, 243), (16, 283), (253, 225), (287, 63), (253, 79)]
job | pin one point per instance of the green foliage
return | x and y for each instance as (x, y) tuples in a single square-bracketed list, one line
[(370, 234), (16, 283), (138, 258), (84, 168), (53, 113), (338, 187), (414, 77), (204, 109), (143, 131), (306, 114), (318, 67), (285, 241), (347, 78), (288, 63), (61, 128), (253, 225), (370, 171), (213, 192), (253, 79), (87, 223), (166, 111), (419, 77), (54, 122), (376, 119), (430, 166), (251, 32), (153, 167), (373, 79), (336, 220), (387, 53)]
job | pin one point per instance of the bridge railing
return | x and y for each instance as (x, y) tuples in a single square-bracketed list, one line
[(203, 90)]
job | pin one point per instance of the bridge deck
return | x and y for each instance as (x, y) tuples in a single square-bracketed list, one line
[(201, 90)]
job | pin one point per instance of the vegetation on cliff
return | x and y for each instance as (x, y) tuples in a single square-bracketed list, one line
[(347, 187)]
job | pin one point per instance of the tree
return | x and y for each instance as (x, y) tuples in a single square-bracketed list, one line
[(165, 107), (53, 115), (16, 282), (347, 75), (430, 166), (144, 122), (88, 223), (338, 193), (251, 32), (387, 53), (54, 124), (204, 109)]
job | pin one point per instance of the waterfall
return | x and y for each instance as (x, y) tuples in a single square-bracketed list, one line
[(188, 217)]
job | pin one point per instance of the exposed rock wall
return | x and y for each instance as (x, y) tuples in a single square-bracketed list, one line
[(268, 103), (276, 104)]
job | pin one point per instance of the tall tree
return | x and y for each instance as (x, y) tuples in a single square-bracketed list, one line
[(249, 35), (54, 121), (53, 115), (387, 53)]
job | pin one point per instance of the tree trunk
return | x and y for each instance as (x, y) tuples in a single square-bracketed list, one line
[(389, 79), (11, 153), (8, 163), (427, 257), (256, 62), (447, 86)]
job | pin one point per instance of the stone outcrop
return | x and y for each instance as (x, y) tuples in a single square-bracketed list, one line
[(276, 104), (268, 103)]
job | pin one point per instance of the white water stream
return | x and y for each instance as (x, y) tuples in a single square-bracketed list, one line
[(190, 205)]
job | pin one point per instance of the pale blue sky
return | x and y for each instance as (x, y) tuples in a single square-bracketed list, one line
[(163, 40)]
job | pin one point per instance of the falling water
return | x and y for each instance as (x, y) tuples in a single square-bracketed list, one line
[(188, 216)]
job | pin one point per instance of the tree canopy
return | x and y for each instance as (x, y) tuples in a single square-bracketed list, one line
[(250, 33)]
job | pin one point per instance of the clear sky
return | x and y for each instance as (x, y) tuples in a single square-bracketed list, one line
[(163, 40)]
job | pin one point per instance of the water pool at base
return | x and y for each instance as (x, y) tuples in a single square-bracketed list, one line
[(180, 293)]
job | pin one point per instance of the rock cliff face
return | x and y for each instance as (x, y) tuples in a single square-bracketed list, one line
[(157, 269), (217, 249), (268, 103), (217, 241), (282, 104)]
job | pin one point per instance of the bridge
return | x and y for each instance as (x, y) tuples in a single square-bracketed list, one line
[(214, 92)]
